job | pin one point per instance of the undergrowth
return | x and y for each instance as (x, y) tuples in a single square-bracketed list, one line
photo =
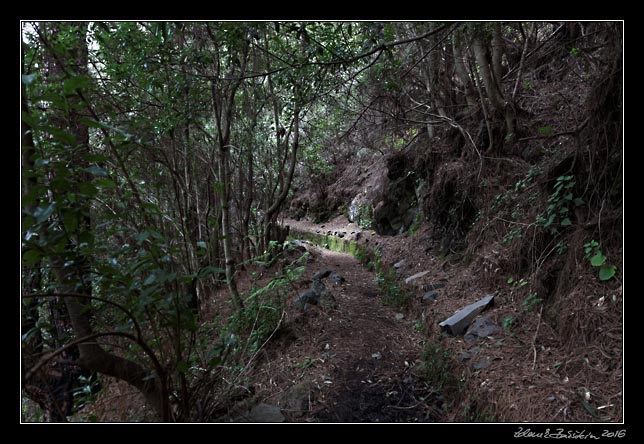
[(248, 330)]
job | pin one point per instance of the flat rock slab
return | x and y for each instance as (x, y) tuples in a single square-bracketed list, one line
[(399, 264), (458, 323), (265, 413), (411, 279), (430, 296)]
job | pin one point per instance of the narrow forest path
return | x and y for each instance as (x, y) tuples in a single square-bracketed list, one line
[(356, 362)]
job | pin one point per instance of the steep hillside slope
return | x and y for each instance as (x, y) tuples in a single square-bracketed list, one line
[(537, 224)]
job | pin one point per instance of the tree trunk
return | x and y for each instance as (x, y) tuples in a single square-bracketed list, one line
[(271, 214), (490, 68), (481, 55), (223, 100), (95, 358), (461, 73), (226, 232)]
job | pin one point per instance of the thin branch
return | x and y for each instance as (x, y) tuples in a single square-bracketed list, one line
[(563, 133), (378, 49), (84, 296), (279, 324), (535, 49), (534, 340), (521, 63)]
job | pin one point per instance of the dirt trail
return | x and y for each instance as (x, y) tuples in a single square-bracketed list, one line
[(359, 362)]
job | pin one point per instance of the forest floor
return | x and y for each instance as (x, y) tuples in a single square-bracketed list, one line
[(364, 361), (359, 361), (521, 371), (356, 362)]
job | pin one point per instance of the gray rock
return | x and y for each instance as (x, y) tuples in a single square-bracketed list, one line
[(399, 264), (322, 274), (430, 296), (482, 327), (341, 234), (400, 316), (265, 413), (319, 288), (296, 400), (468, 354), (411, 279), (310, 296), (458, 323), (336, 278)]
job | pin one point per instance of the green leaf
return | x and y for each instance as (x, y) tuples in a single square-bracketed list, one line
[(606, 272), (150, 280), (42, 213), (566, 222), (578, 201), (88, 189), (73, 83), (551, 219), (96, 171), (91, 157), (598, 259), (151, 208), (70, 220), (31, 257), (142, 236), (106, 183), (28, 79)]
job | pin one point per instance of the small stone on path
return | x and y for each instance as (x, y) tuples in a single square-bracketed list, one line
[(411, 279), (265, 413)]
